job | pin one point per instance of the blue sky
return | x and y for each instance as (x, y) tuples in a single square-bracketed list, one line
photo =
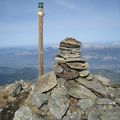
[(91, 21)]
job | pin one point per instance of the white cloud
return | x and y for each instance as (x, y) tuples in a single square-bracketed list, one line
[(66, 4)]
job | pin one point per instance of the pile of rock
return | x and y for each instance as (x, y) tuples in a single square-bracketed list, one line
[(11, 97), (70, 65), (71, 92)]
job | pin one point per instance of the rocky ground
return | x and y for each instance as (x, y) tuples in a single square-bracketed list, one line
[(69, 92)]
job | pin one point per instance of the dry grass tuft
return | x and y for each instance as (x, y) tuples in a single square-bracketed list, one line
[(4, 94)]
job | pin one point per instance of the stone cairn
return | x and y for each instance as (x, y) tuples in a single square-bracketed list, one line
[(71, 92), (70, 65)]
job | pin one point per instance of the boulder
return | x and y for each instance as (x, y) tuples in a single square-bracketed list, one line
[(67, 55), (39, 99), (78, 66), (78, 91), (105, 101), (84, 73), (66, 67), (24, 113), (75, 115), (58, 70), (81, 60), (104, 113), (86, 104), (46, 82), (18, 88), (90, 77), (113, 114), (70, 75), (93, 114), (58, 102), (104, 80), (60, 60), (95, 86)]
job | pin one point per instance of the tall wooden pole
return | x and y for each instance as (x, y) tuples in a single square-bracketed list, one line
[(40, 39)]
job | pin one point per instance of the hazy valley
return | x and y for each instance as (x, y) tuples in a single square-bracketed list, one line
[(21, 63)]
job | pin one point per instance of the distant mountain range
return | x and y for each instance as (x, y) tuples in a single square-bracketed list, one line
[(21, 63), (91, 45)]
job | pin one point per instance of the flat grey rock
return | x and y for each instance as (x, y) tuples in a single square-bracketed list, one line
[(118, 92), (106, 113), (70, 51), (117, 96), (93, 114), (58, 102), (75, 60), (76, 55), (66, 67), (75, 115), (61, 82), (86, 104), (17, 89), (47, 82), (105, 101), (78, 66), (75, 50), (104, 80), (112, 92), (58, 69), (24, 113), (49, 116), (117, 100), (90, 77), (65, 50), (38, 99), (115, 85), (37, 117), (65, 73), (70, 43), (78, 91), (70, 75), (95, 86), (60, 60), (84, 73), (113, 114)]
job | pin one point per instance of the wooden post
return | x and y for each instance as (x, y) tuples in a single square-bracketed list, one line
[(40, 40)]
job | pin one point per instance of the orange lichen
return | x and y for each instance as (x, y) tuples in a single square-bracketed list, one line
[(73, 102)]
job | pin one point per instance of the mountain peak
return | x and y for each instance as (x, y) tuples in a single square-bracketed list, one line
[(69, 92)]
